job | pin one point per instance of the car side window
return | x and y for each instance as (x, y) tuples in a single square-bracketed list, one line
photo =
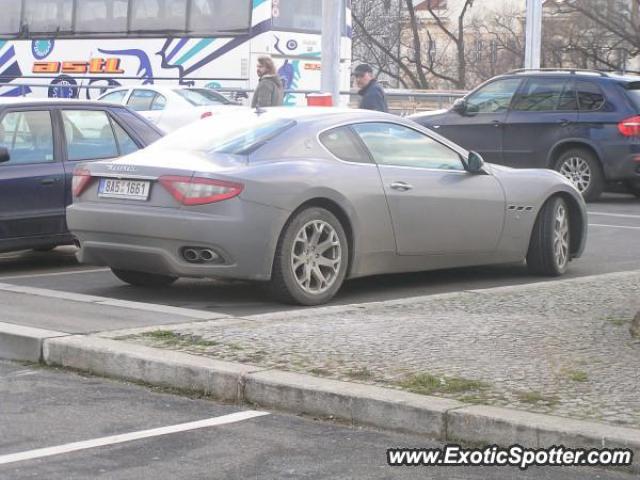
[(141, 100), (159, 102), (341, 143), (546, 95), (28, 136), (393, 144), (114, 97), (125, 142), (89, 135), (590, 97), (494, 97)]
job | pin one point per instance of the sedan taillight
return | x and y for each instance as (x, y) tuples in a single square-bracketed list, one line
[(206, 114), (630, 127), (80, 181), (199, 190)]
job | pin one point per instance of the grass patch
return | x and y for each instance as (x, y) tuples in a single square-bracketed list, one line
[(360, 374), (533, 397), (577, 375), (618, 322), (171, 338), (427, 384), (320, 372), (235, 346)]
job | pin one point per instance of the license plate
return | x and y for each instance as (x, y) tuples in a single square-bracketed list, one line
[(121, 188)]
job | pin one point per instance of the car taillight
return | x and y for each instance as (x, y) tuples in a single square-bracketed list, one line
[(630, 127), (198, 190), (80, 181), (206, 114)]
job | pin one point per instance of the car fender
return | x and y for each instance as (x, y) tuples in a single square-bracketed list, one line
[(576, 141)]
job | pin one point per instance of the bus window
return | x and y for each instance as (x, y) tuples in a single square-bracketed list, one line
[(215, 16), (298, 15), (46, 16), (105, 16), (10, 18), (158, 15)]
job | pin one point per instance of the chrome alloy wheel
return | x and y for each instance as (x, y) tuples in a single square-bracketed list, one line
[(578, 171), (561, 236), (316, 257)]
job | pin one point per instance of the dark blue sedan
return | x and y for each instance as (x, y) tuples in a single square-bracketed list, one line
[(40, 143)]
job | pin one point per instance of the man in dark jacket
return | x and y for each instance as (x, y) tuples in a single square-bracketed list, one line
[(269, 92), (370, 90)]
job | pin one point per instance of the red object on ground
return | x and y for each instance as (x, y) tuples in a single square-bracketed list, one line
[(319, 100)]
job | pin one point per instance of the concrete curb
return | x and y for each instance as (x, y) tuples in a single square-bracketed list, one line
[(388, 409), (24, 344)]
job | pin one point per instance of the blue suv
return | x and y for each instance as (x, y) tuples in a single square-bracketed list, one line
[(41, 141), (584, 124)]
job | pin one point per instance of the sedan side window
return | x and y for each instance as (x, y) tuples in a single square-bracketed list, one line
[(114, 97), (341, 142), (125, 142), (393, 144), (89, 135), (28, 136), (494, 97), (141, 100)]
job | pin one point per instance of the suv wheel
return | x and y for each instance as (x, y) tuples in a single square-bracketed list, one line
[(581, 167), (634, 187), (143, 279), (311, 258), (549, 247)]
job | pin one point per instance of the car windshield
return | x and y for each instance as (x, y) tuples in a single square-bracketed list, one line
[(201, 97), (226, 134)]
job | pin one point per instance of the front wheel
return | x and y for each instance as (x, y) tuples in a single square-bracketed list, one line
[(143, 279), (582, 168), (311, 258), (549, 247)]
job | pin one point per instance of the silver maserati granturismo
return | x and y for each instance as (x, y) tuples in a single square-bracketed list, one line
[(306, 198)]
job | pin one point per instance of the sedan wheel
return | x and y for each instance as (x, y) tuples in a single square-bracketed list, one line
[(311, 259), (581, 167), (143, 279), (549, 248)]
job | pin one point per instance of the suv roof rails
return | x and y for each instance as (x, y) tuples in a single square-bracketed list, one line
[(567, 70)]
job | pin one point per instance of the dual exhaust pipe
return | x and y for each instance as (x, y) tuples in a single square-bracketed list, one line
[(200, 255)]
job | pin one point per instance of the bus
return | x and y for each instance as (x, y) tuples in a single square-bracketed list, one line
[(57, 48)]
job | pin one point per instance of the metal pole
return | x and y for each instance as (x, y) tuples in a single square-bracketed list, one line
[(331, 33), (533, 34)]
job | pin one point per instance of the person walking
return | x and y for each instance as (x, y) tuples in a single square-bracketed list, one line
[(372, 93), (270, 91)]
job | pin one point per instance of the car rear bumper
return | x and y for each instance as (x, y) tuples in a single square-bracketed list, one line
[(149, 239), (622, 162)]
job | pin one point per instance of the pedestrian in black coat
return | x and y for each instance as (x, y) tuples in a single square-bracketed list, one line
[(372, 93)]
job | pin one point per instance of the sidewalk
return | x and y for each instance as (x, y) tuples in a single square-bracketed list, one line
[(555, 348)]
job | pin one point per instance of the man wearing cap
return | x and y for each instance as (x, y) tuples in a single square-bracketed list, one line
[(370, 90)]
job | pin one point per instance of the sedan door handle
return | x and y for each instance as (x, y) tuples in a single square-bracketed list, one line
[(49, 181), (564, 122), (496, 123), (401, 186)]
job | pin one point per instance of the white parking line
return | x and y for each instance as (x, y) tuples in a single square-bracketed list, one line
[(613, 226), (52, 274), (128, 437), (619, 215)]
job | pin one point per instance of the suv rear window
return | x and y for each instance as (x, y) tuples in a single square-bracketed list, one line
[(633, 90)]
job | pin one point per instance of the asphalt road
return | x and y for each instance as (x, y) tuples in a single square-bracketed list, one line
[(43, 407), (614, 234)]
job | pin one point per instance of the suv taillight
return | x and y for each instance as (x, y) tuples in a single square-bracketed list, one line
[(198, 190), (630, 127), (80, 181)]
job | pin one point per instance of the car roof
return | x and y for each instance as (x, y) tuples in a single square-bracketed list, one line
[(304, 114), (27, 101)]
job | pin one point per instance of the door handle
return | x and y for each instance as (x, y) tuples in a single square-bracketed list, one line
[(496, 123), (564, 122), (401, 186), (49, 181)]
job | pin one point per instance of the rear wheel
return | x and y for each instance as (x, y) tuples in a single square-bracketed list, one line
[(549, 247), (582, 168), (311, 258), (634, 187), (143, 279)]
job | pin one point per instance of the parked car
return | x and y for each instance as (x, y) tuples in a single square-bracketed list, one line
[(584, 124), (41, 141), (305, 198), (170, 108)]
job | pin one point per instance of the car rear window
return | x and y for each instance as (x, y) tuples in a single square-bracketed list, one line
[(236, 135), (633, 89)]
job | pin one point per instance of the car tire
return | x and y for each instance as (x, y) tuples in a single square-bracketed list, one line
[(550, 245), (582, 168), (143, 279), (297, 277), (634, 187)]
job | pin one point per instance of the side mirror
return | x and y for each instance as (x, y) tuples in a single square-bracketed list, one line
[(4, 155), (474, 162), (460, 106)]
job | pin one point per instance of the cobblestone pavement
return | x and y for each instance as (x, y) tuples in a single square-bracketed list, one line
[(562, 348)]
